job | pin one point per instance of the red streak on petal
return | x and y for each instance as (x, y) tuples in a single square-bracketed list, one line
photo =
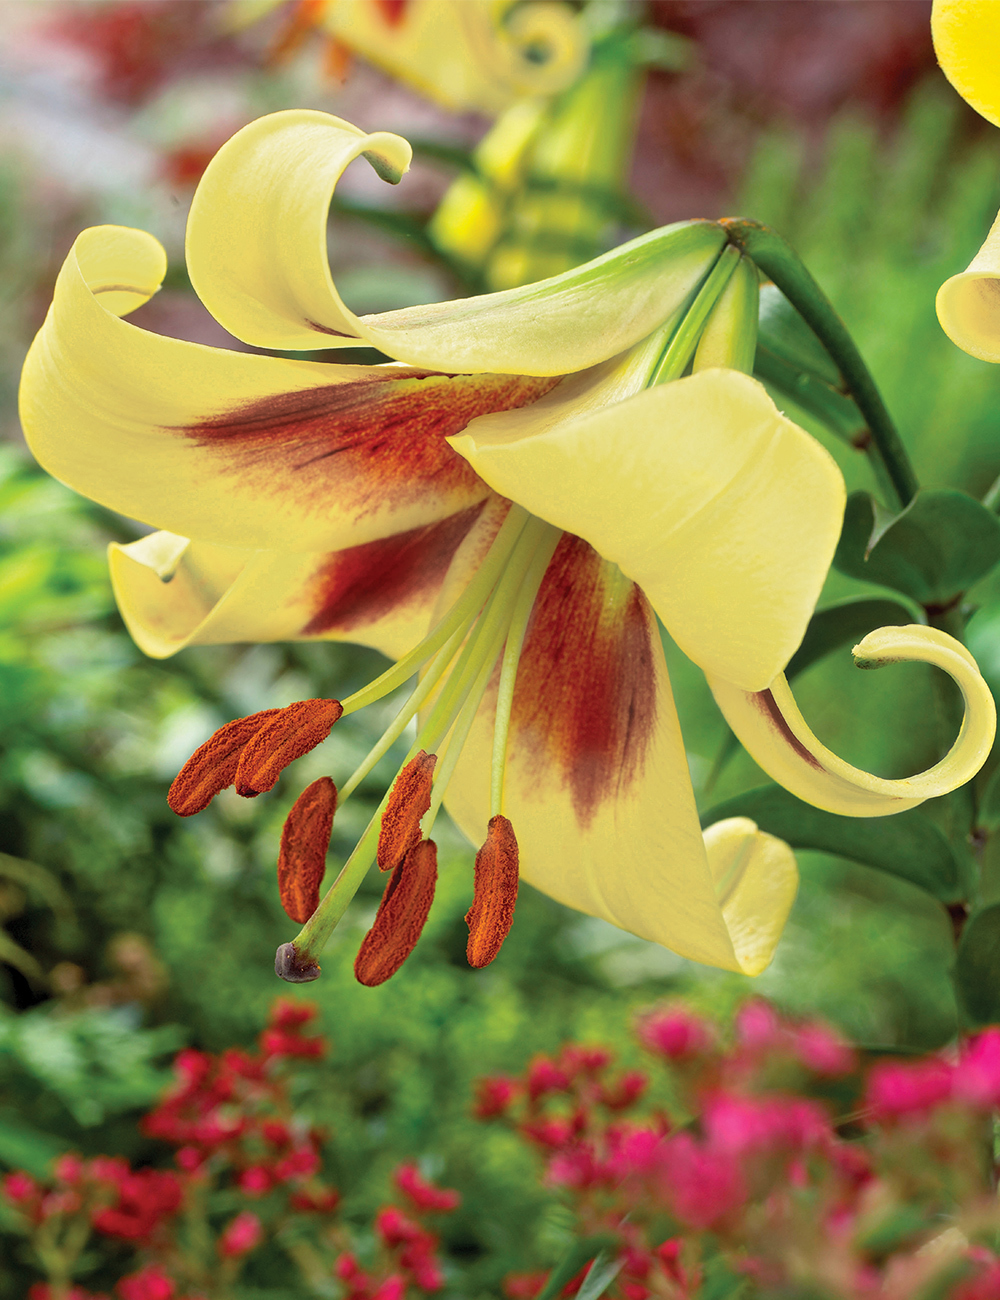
[(585, 702), (293, 732), (393, 11), (495, 892), (212, 766), (305, 839), (768, 705), (365, 442), (401, 916), (361, 584), (409, 799)]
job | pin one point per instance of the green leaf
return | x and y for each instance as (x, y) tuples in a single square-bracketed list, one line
[(837, 625), (908, 845), (982, 636), (784, 333), (600, 1275), (977, 966), (942, 543), (24, 1147), (988, 813)]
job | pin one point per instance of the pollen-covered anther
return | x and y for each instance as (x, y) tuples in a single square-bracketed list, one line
[(401, 915), (212, 767), (494, 893), (293, 731), (409, 799), (305, 839)]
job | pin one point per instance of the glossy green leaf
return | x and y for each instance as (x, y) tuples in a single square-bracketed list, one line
[(982, 636), (784, 334), (843, 624), (600, 1275), (977, 966), (908, 845), (942, 543), (988, 815)]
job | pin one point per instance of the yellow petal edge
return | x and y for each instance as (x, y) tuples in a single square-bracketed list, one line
[(967, 44), (968, 304), (774, 733)]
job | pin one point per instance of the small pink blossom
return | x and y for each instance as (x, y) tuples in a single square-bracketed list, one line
[(701, 1186), (675, 1033), (823, 1051), (241, 1235), (977, 1075), (907, 1087), (422, 1194)]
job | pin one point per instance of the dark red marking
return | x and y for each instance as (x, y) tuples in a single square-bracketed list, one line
[(393, 11), (366, 441), (585, 700), (362, 584), (339, 334), (768, 705)]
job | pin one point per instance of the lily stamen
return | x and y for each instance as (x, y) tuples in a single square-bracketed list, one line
[(401, 916), (305, 839), (409, 799), (495, 892), (293, 731)]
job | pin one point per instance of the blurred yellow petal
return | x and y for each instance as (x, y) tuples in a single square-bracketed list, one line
[(968, 305), (232, 448), (466, 54), (724, 512), (774, 733), (173, 592), (967, 43), (597, 785), (256, 251)]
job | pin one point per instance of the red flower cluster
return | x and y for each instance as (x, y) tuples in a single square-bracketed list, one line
[(893, 1198)]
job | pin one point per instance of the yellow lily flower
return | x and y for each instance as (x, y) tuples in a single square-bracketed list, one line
[(967, 43), (509, 494)]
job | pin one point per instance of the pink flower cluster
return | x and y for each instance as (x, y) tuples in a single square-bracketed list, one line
[(778, 1152), (234, 1129)]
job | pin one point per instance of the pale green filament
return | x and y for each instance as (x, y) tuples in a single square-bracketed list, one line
[(682, 345), (461, 613)]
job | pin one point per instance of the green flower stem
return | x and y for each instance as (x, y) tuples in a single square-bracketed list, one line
[(681, 347), (778, 261)]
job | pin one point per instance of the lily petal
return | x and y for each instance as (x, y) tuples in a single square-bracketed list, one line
[(238, 450), (466, 56), (173, 592), (968, 304), (773, 731), (257, 256), (722, 510), (967, 43), (756, 879), (597, 786)]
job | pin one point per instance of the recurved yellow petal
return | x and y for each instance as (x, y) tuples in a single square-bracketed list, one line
[(722, 510), (968, 305), (774, 733), (256, 252), (756, 879), (236, 449), (967, 43), (173, 592)]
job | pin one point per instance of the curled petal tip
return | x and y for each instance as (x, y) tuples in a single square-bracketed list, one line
[(968, 304), (756, 879), (290, 965), (292, 732), (496, 883), (773, 731)]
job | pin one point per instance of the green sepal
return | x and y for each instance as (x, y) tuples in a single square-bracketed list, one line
[(977, 966), (784, 333), (846, 621), (908, 845), (935, 549)]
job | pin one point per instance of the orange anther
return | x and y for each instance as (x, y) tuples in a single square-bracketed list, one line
[(304, 842), (401, 915), (293, 731), (409, 799), (212, 766), (494, 893)]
